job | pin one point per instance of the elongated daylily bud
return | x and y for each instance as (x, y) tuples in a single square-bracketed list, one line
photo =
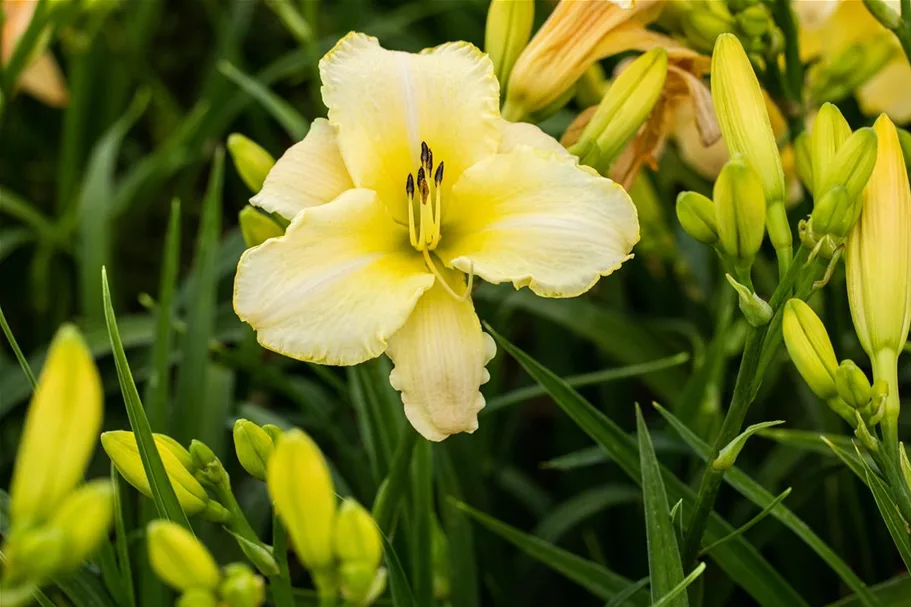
[(163, 441), (241, 587), (830, 130), (84, 518), (853, 163), (252, 162), (253, 447), (702, 27), (257, 227), (359, 549), (746, 129), (878, 263), (624, 108), (61, 428), (301, 488), (124, 453), (697, 217), (179, 559), (509, 24), (808, 344), (740, 211), (852, 384)]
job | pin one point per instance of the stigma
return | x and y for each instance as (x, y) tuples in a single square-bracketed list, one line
[(424, 204)]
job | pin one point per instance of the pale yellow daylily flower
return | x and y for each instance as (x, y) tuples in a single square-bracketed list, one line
[(426, 186), (576, 34), (42, 78), (829, 28)]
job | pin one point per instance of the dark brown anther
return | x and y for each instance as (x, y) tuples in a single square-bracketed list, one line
[(421, 177), (429, 164), (409, 186), (425, 152), (438, 176), (425, 190)]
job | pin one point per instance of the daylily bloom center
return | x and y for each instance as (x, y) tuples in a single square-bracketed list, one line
[(424, 202)]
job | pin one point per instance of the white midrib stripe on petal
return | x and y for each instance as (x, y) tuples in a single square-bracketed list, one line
[(411, 109)]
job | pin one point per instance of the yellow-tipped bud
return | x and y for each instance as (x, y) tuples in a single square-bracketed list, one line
[(61, 428), (808, 344), (301, 488), (697, 217), (624, 108), (746, 129), (252, 162), (241, 587), (852, 384), (84, 517), (509, 24), (253, 447), (879, 251), (257, 227), (830, 131), (740, 211), (124, 453), (179, 559)]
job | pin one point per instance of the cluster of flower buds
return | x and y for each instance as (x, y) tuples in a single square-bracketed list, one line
[(54, 523), (838, 76), (836, 166), (184, 564), (750, 20), (340, 545), (843, 386)]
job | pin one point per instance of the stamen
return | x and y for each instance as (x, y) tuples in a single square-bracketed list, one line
[(464, 296), (425, 152), (438, 176), (437, 219), (428, 164), (409, 191)]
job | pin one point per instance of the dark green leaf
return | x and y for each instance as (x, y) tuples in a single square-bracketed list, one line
[(294, 124)]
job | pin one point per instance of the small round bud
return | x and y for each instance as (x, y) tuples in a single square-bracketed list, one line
[(178, 558), (253, 446), (253, 163), (241, 587), (852, 384), (696, 214)]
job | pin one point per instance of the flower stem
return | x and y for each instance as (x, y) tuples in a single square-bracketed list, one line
[(280, 584)]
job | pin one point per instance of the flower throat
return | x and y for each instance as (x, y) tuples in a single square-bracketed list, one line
[(424, 204)]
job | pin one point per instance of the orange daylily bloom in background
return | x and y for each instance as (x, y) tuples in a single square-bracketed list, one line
[(42, 78)]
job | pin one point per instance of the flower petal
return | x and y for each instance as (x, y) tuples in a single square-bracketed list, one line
[(310, 173), (340, 281), (439, 356), (538, 220), (385, 103), (524, 133), (884, 93)]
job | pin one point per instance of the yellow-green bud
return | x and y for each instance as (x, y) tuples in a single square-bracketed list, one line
[(852, 384), (253, 447), (357, 538), (809, 347), (625, 107), (35, 554), (197, 597), (508, 30), (163, 441), (755, 20), (241, 587), (746, 129), (702, 27), (834, 216), (853, 163), (740, 212), (830, 131), (274, 432), (84, 517), (697, 217), (257, 227), (179, 559), (252, 162), (301, 488), (60, 431), (209, 468), (804, 160), (755, 309), (124, 453)]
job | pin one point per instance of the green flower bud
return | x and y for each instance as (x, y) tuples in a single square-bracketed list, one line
[(60, 431), (755, 20), (274, 432), (702, 27), (740, 211), (209, 468), (755, 309), (301, 488), (197, 597), (509, 24), (852, 384), (625, 107), (696, 214), (163, 441), (179, 559), (252, 162), (241, 587), (853, 163), (830, 131), (253, 447), (357, 538), (257, 227), (809, 347), (84, 518), (34, 555), (122, 449), (747, 130)]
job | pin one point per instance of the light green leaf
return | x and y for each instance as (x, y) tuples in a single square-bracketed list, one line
[(294, 124), (387, 500), (421, 553), (671, 597)]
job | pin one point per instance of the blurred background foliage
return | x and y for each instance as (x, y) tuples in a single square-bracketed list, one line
[(156, 87)]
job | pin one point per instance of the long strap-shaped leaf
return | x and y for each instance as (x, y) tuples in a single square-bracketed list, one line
[(754, 492), (664, 566), (738, 558), (162, 492)]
